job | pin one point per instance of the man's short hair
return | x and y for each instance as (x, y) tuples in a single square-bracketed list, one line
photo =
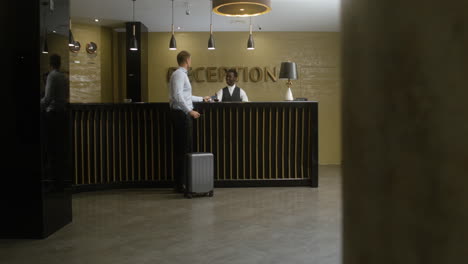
[(55, 61), (182, 57), (234, 71)]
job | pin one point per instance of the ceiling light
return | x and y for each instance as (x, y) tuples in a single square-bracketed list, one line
[(250, 41), (71, 40), (172, 42), (133, 41), (211, 42), (45, 47), (241, 8), (96, 20)]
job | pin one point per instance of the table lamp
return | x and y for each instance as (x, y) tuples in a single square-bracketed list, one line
[(288, 72)]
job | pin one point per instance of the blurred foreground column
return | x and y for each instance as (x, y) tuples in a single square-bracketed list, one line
[(405, 131)]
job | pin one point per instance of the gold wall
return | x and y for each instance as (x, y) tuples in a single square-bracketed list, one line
[(317, 55), (91, 79)]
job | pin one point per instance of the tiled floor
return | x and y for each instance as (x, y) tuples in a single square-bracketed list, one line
[(237, 225)]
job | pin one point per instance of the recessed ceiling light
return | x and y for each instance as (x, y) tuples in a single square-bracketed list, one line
[(242, 9), (96, 20), (54, 31)]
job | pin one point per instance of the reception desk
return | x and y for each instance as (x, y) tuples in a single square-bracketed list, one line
[(254, 144)]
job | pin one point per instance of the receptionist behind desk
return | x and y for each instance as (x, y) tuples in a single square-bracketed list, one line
[(231, 93)]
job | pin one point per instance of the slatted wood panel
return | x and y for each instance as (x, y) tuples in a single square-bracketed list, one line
[(253, 143)]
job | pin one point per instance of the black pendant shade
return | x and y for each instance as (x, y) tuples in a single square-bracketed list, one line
[(45, 48), (250, 43), (173, 43), (71, 40), (211, 43), (134, 44)]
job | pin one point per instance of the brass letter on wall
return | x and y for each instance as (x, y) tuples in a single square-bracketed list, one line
[(256, 74), (221, 73), (196, 74), (270, 74), (245, 74), (210, 73)]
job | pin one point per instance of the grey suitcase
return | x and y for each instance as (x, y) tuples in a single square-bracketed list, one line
[(200, 177)]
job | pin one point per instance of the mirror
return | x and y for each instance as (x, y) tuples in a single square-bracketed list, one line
[(91, 48), (75, 48)]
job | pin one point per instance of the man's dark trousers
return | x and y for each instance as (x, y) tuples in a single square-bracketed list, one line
[(182, 124)]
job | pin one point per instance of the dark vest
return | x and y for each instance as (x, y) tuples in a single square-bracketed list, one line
[(235, 97)]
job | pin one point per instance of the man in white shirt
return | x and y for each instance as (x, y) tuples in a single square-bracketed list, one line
[(232, 93), (55, 123), (182, 115)]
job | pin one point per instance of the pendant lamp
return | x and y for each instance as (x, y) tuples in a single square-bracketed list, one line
[(133, 41), (211, 41), (172, 42), (71, 40), (250, 41)]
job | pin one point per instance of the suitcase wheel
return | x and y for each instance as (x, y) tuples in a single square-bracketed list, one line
[(188, 195), (210, 194)]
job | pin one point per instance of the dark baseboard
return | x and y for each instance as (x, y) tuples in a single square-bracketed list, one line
[(218, 184), (124, 185), (263, 183)]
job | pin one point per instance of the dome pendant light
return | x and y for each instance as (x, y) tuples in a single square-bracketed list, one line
[(211, 42), (133, 41), (241, 8), (250, 42), (172, 42)]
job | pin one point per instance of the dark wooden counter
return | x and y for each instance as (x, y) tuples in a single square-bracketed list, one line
[(254, 144)]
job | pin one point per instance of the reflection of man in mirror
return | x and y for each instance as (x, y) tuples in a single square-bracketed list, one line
[(56, 89), (55, 122)]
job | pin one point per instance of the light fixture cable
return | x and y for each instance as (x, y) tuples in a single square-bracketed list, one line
[(172, 17)]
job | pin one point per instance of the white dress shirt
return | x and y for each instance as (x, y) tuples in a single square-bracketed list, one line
[(180, 91), (243, 95)]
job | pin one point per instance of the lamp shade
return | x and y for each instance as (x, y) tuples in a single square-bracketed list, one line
[(45, 47), (250, 43), (241, 8), (173, 43), (211, 43), (71, 40), (134, 44), (288, 71)]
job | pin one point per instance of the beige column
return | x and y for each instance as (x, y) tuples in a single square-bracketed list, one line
[(405, 131)]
